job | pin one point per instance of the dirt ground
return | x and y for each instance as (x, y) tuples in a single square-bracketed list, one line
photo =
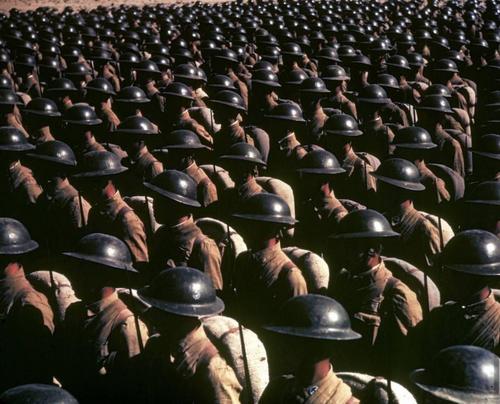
[(6, 5)]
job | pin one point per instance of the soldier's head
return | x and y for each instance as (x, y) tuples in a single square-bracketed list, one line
[(52, 162), (190, 75), (175, 196), (312, 90), (284, 119), (335, 78), (339, 134), (398, 181), (459, 374), (264, 82), (413, 143), (132, 133), (310, 328), (8, 101), (96, 175), (146, 72), (480, 209), (81, 121), (486, 154), (129, 101), (13, 144), (37, 393), (100, 263), (179, 149), (432, 109), (317, 172), (227, 105), (242, 161), (179, 298), (262, 218), (358, 239), (16, 245), (178, 97), (371, 100), (98, 91), (60, 90), (470, 264), (443, 71)]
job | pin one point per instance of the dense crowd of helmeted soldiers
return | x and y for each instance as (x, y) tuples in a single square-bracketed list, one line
[(276, 202)]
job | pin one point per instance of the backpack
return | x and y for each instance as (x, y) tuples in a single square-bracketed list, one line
[(454, 181), (143, 208), (445, 229), (219, 176), (313, 267), (253, 374)]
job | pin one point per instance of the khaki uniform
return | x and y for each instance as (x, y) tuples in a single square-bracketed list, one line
[(26, 327), (229, 135), (188, 371), (141, 168), (342, 103), (264, 280), (232, 198), (240, 86), (454, 324), (377, 138), (63, 214), (435, 188), (13, 119), (449, 150), (316, 123), (110, 120), (359, 183), (207, 191), (284, 154), (329, 390), (115, 217), (91, 145), (185, 245), (419, 241), (41, 135), (95, 340), (257, 108)]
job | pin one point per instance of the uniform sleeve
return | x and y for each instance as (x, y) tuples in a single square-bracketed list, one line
[(134, 236), (129, 334), (222, 382), (193, 125), (407, 309), (76, 213), (430, 240), (454, 150), (351, 109), (296, 284), (155, 169), (208, 193), (210, 261)]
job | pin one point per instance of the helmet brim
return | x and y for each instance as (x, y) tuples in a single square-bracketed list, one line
[(442, 110), (186, 310), (100, 173), (419, 378), (91, 122), (51, 159), (18, 148), (19, 249), (365, 235), (325, 334), (173, 197), (170, 94), (227, 104), (411, 186), (98, 260), (416, 146), (133, 132), (487, 270), (346, 133), (42, 114), (282, 220), (493, 156), (272, 84), (339, 78), (285, 118), (228, 157), (127, 101), (321, 171), (100, 91), (379, 101)]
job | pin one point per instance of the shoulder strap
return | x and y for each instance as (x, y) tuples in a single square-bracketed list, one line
[(123, 211)]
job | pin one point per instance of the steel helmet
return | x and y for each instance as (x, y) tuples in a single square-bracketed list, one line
[(175, 186), (364, 224), (266, 208), (15, 238)]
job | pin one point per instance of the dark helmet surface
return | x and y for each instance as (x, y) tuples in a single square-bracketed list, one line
[(364, 224), (385, 80), (265, 78), (438, 89), (445, 65), (292, 49), (136, 125), (37, 394), (227, 98), (99, 164), (77, 70), (8, 97), (81, 114), (475, 252), (100, 85), (488, 146), (15, 238), (62, 86), (461, 374), (413, 137), (244, 152), (132, 95), (220, 82), (186, 71), (103, 249), (183, 291), (373, 94), (398, 62), (13, 140), (313, 85), (54, 151), (294, 77), (43, 107), (147, 68), (175, 186), (267, 208), (313, 316), (177, 90), (320, 162), (435, 103), (334, 73), (287, 111), (328, 54), (342, 125), (400, 173), (486, 193), (182, 139)]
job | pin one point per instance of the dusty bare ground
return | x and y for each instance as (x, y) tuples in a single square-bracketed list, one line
[(6, 5)]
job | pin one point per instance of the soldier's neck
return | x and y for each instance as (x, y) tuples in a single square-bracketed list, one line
[(12, 269), (265, 244), (401, 208), (311, 373)]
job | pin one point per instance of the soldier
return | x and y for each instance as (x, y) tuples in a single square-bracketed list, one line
[(130, 101), (179, 241), (319, 210), (340, 136), (431, 116), (312, 91), (263, 99), (470, 267), (398, 182), (25, 77), (98, 94), (19, 188), (96, 179), (314, 326), (481, 208), (359, 67), (81, 121), (99, 333), (457, 375), (178, 99), (227, 107), (486, 158), (9, 112), (183, 147), (292, 55), (193, 77), (336, 80), (37, 394), (142, 166), (180, 363), (40, 114), (27, 319), (62, 212), (291, 82), (382, 307), (415, 144), (377, 137), (264, 276), (63, 92), (226, 62), (147, 73)]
